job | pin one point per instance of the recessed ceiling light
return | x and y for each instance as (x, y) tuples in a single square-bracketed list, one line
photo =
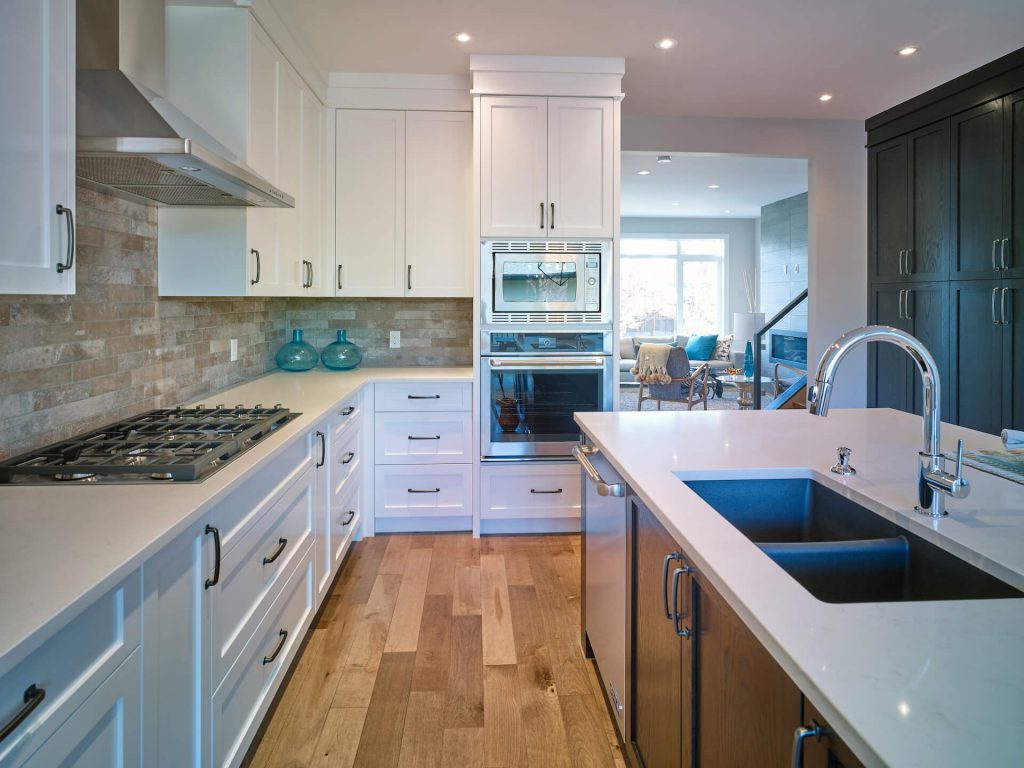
[(907, 50), (643, 173), (664, 158), (675, 203), (825, 97), (665, 44), (463, 37), (727, 211), (712, 186)]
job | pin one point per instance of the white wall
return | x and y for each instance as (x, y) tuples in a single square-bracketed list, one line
[(742, 249), (837, 211)]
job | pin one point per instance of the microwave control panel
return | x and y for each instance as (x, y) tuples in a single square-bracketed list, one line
[(592, 283)]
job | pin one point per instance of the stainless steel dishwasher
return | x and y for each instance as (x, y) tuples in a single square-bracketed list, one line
[(605, 577)]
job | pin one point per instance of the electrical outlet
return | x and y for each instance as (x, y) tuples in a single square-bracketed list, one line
[(234, 350), (396, 339)]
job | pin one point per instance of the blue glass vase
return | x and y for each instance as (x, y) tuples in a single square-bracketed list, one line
[(341, 355), (748, 360), (296, 355)]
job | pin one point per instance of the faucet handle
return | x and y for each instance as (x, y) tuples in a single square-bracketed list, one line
[(960, 486), (842, 466)]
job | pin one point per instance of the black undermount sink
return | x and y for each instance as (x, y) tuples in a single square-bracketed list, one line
[(842, 552)]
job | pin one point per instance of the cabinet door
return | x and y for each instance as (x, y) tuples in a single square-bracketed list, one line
[(889, 205), (889, 367), (439, 202), (289, 177), (37, 144), (322, 562), (661, 702), (929, 241), (977, 191), (580, 158), (1013, 107), (748, 706), (513, 166), (1012, 314), (311, 194), (263, 259), (976, 355), (926, 308), (370, 213)]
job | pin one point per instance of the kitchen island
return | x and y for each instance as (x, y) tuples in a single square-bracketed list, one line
[(903, 683)]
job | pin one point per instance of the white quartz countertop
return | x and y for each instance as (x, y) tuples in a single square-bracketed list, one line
[(904, 684), (62, 546)]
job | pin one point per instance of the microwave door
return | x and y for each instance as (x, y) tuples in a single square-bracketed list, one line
[(532, 283)]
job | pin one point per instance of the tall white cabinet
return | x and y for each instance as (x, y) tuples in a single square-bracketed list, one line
[(37, 146), (403, 203), (546, 167)]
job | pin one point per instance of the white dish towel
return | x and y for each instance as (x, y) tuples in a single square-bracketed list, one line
[(1013, 439)]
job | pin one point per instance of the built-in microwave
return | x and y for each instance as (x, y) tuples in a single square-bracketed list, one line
[(529, 281)]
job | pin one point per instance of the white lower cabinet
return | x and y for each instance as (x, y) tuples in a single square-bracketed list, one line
[(428, 438), (529, 497), (427, 497)]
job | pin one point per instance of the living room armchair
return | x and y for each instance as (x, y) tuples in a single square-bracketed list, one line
[(686, 385)]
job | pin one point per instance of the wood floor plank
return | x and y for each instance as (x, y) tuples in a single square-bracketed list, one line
[(588, 747), (433, 650), (405, 622), (359, 673), (396, 554), (441, 580), (463, 747), (360, 570), (561, 633), (467, 590), (504, 736), (423, 737), (339, 739), (464, 706), (499, 643), (380, 742)]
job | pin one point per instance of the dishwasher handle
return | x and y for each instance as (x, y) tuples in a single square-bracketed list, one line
[(580, 453)]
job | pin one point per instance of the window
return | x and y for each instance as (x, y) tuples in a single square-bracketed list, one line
[(671, 286)]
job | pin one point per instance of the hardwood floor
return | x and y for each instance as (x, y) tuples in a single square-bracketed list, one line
[(444, 650)]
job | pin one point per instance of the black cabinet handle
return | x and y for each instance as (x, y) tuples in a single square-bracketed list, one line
[(408, 279), (323, 448), (534, 490), (216, 556), (424, 397), (428, 437), (348, 411), (63, 211), (281, 544), (426, 490), (255, 253), (351, 517), (33, 698), (283, 634), (542, 215), (340, 286), (348, 457), (552, 225)]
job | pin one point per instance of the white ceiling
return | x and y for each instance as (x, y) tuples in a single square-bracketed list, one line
[(745, 184), (738, 58)]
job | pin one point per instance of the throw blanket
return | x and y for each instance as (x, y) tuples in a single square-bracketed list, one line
[(651, 364)]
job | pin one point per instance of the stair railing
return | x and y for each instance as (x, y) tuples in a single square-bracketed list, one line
[(758, 335)]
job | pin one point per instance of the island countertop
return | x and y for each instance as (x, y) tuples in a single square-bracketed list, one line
[(937, 683)]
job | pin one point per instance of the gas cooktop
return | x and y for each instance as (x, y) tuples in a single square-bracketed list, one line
[(168, 445)]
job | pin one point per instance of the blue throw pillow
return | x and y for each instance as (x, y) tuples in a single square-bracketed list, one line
[(701, 347)]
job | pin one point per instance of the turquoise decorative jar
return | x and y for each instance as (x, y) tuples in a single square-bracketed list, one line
[(296, 355), (748, 360), (341, 355)]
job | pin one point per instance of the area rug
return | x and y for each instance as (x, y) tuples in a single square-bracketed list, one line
[(628, 397)]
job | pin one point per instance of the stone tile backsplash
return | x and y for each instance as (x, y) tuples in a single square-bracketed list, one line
[(115, 349)]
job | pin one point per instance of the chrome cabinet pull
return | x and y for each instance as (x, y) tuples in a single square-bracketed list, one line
[(534, 490), (33, 697), (283, 635), (216, 556), (408, 278), (1002, 253), (785, 269), (800, 735), (899, 305), (909, 252), (906, 304), (995, 244), (424, 397), (255, 253), (423, 490), (340, 286), (678, 615), (425, 437), (995, 291), (1003, 314), (281, 544), (351, 516), (348, 411), (307, 268), (64, 211), (552, 225), (542, 215), (899, 262), (323, 448), (664, 582), (580, 453), (348, 457)]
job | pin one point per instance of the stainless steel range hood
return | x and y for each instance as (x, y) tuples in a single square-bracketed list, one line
[(130, 138)]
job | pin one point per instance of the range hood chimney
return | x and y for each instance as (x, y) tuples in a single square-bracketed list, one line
[(133, 141)]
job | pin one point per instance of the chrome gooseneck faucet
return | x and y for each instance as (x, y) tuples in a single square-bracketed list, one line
[(934, 482)]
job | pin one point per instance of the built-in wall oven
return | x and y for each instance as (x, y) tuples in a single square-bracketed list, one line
[(532, 381), (542, 281)]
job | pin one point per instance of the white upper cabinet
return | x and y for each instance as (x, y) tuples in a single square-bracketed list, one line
[(439, 201), (294, 274), (318, 261), (37, 146), (370, 200), (546, 167), (513, 166), (580, 179)]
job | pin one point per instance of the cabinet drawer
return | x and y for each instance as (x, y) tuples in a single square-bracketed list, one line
[(422, 491), (346, 416), (69, 666), (511, 491), (246, 504), (255, 568), (242, 699), (423, 438), (345, 516), (423, 396), (346, 457)]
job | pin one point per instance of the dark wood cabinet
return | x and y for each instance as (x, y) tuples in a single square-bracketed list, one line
[(890, 201), (1012, 315), (1013, 110), (926, 306), (976, 356), (747, 707), (823, 748)]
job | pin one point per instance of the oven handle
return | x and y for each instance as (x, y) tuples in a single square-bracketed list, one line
[(524, 363)]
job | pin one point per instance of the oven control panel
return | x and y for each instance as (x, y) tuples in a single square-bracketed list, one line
[(592, 283)]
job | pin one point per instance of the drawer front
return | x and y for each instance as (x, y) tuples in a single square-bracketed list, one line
[(423, 396), (345, 518), (253, 571), (242, 699), (105, 732), (69, 667), (423, 438), (346, 416), (423, 491), (513, 491), (346, 456), (246, 504)]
